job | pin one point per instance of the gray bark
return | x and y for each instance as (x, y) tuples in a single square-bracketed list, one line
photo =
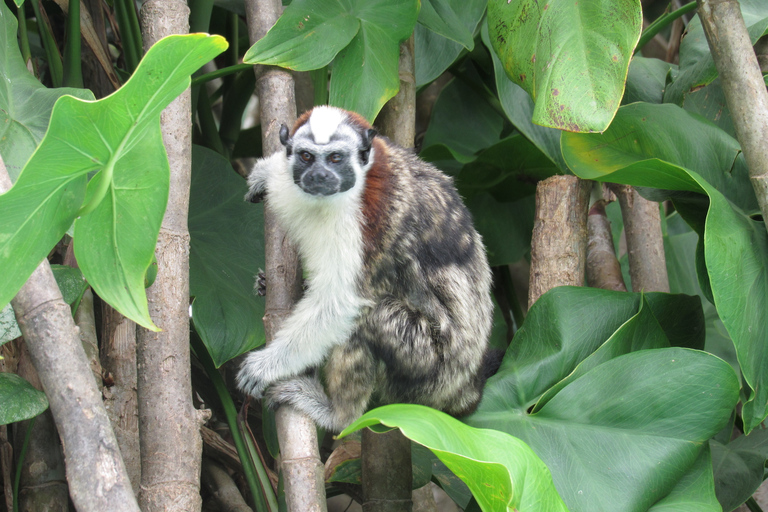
[(559, 242), (387, 472), (223, 489), (169, 425), (743, 86), (645, 244), (300, 458), (603, 269), (95, 471)]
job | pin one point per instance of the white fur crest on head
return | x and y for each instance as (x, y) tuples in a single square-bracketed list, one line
[(324, 122)]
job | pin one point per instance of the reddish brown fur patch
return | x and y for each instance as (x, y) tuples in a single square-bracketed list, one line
[(358, 121), (303, 119), (376, 197)]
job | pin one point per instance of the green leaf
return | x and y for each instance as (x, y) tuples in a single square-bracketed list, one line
[(518, 106), (118, 136), (571, 57), (19, 400), (646, 80), (226, 252), (434, 53), (440, 16), (502, 472), (362, 38), (735, 247), (71, 283), (9, 329), (697, 68), (25, 104), (739, 467), (694, 492)]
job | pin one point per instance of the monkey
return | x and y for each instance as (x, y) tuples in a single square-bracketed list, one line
[(397, 306)]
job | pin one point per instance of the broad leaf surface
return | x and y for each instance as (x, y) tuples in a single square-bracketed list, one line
[(518, 106), (9, 328), (435, 51), (361, 37), (699, 162), (501, 471), (697, 68), (646, 80), (694, 492), (19, 400), (571, 57), (118, 136), (226, 253), (25, 104), (442, 17), (738, 467)]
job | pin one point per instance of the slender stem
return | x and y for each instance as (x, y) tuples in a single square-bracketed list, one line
[(26, 54), (220, 73), (752, 505), (73, 75), (49, 43), (514, 305), (208, 129), (661, 22), (258, 491), (125, 12), (235, 101), (200, 15), (254, 455), (19, 462)]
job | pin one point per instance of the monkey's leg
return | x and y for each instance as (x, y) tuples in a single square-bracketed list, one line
[(349, 375)]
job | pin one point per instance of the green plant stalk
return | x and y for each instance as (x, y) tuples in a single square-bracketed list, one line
[(22, 454), (261, 493), (102, 186), (73, 74), (219, 73), (752, 505), (200, 15), (661, 22), (263, 478), (49, 43), (130, 34), (320, 85), (517, 310), (26, 54), (207, 123), (235, 101)]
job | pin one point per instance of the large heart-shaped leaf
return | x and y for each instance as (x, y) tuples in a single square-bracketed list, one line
[(501, 471), (571, 57), (118, 136), (19, 400), (25, 104), (226, 252), (739, 467), (361, 37), (702, 159)]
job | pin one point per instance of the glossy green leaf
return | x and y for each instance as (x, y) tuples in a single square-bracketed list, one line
[(71, 283), (434, 52), (19, 400), (738, 467), (25, 104), (709, 102), (501, 471), (619, 435), (226, 253), (571, 57), (646, 80), (441, 17), (697, 68), (118, 136), (694, 492), (518, 106), (702, 159), (361, 37)]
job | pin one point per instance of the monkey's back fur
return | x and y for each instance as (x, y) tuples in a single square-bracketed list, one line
[(398, 304)]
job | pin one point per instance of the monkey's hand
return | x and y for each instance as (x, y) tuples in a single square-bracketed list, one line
[(259, 176), (255, 375)]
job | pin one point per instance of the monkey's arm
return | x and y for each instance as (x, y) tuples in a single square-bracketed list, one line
[(316, 324), (259, 175)]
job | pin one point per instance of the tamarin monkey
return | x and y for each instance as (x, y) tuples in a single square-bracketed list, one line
[(398, 306)]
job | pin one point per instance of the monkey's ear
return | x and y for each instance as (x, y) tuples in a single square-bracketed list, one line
[(284, 139), (368, 137)]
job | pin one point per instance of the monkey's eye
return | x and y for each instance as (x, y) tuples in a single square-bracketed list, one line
[(335, 158), (306, 156)]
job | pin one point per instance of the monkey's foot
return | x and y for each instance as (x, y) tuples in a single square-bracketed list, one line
[(261, 283)]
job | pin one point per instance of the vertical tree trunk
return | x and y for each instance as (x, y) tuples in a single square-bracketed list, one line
[(169, 425), (743, 86), (603, 269), (95, 472), (559, 242), (386, 460), (645, 245), (300, 458)]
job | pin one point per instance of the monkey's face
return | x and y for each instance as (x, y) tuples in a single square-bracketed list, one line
[(328, 155)]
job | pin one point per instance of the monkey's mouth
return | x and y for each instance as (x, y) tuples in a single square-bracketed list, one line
[(320, 183)]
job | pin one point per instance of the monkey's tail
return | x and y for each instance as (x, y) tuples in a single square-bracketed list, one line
[(491, 362)]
